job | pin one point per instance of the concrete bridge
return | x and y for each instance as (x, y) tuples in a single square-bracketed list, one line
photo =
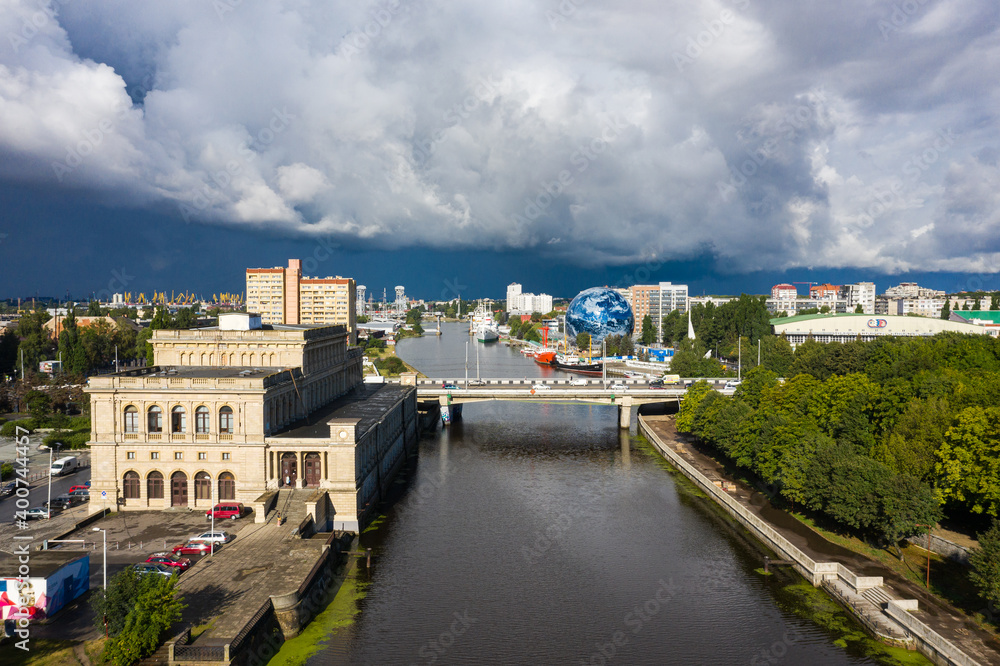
[(451, 394)]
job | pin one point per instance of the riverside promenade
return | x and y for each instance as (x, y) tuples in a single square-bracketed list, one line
[(946, 621)]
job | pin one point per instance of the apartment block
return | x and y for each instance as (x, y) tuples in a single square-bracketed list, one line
[(284, 296)]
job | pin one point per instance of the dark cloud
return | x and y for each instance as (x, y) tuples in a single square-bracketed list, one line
[(769, 135)]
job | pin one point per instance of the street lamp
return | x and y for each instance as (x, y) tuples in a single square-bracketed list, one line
[(929, 528), (98, 529), (48, 505)]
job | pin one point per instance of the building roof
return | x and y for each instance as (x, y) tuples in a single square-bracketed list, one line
[(43, 564), (784, 286), (819, 315), (367, 402), (991, 316), (867, 325)]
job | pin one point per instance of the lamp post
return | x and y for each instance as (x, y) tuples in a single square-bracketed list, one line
[(928, 551), (48, 505), (105, 532)]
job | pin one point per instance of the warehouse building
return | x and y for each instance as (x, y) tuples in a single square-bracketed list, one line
[(849, 327)]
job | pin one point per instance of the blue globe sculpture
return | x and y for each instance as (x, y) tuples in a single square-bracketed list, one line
[(601, 312)]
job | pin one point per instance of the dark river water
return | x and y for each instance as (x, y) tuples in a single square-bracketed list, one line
[(541, 534)]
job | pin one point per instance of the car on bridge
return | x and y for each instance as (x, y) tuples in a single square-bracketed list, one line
[(657, 384), (477, 382), (452, 387), (540, 387), (618, 387), (578, 382)]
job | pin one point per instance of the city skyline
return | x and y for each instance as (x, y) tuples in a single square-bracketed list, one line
[(733, 145)]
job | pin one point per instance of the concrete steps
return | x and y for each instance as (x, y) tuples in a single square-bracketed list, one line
[(292, 504), (878, 596), (869, 611)]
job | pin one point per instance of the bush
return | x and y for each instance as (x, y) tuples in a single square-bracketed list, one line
[(392, 365), (6, 471), (69, 440), (9, 429)]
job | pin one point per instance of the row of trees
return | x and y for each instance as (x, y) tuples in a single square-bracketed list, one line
[(877, 435)]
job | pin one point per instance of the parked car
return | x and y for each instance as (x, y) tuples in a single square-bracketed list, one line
[(449, 386), (232, 510), (64, 502), (73, 489), (219, 536), (578, 382), (8, 488), (540, 387), (170, 560), (194, 548), (40, 513), (144, 568), (84, 494)]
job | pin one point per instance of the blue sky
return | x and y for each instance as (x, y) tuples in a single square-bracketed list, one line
[(459, 146)]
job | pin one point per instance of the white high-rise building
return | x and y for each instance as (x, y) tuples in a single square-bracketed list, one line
[(360, 300), (859, 293), (522, 303)]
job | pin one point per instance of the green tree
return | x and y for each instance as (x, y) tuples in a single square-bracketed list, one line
[(859, 309), (985, 562), (147, 623), (648, 335), (93, 309), (530, 333), (978, 304), (414, 316), (515, 325), (582, 340), (8, 352), (967, 470), (995, 302), (39, 406)]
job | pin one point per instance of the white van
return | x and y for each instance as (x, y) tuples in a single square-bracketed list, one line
[(64, 466)]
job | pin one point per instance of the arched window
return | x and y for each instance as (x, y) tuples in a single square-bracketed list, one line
[(130, 485), (178, 419), (201, 420), (202, 486), (131, 419), (154, 485), (154, 419), (226, 420), (227, 486)]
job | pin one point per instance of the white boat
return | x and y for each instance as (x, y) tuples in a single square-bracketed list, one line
[(482, 324), (486, 333)]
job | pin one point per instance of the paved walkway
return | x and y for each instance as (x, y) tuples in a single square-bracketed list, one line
[(946, 620), (227, 589)]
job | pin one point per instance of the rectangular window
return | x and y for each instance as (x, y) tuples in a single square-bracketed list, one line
[(225, 456), (155, 455), (178, 455), (202, 456), (130, 455)]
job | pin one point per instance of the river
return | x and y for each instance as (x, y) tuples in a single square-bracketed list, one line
[(541, 534)]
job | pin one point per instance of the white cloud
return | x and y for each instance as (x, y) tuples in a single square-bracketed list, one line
[(795, 136)]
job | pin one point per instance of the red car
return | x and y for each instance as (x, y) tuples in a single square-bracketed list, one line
[(168, 560), (74, 488), (194, 548)]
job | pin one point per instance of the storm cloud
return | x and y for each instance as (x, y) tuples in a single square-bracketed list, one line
[(766, 134)]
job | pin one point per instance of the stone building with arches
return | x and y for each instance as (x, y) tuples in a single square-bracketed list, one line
[(237, 411)]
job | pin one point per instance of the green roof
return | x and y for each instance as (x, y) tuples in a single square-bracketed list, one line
[(986, 315), (818, 315)]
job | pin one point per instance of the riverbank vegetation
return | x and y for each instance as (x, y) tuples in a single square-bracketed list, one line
[(880, 439)]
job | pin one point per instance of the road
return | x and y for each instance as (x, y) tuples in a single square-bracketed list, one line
[(38, 462)]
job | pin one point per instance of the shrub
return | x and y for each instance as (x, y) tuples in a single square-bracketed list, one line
[(9, 429), (6, 470)]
